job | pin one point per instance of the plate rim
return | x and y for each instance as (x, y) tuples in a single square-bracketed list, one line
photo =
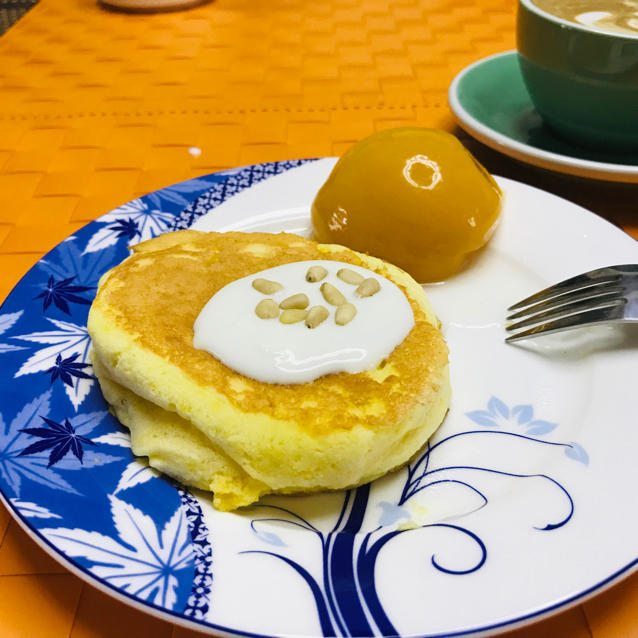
[(549, 160), (207, 626), (176, 618)]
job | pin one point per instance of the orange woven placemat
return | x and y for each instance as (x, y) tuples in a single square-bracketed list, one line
[(98, 107)]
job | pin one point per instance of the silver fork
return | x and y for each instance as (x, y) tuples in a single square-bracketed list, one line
[(599, 296)]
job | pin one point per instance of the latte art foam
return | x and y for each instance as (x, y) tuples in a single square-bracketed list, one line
[(619, 16)]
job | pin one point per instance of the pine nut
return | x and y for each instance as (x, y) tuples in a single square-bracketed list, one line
[(295, 301), (345, 314), (316, 273), (266, 287), (367, 288), (267, 309), (293, 315), (332, 295), (316, 315), (350, 276)]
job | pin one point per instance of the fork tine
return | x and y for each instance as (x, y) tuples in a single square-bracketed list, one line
[(566, 311), (570, 285), (598, 315), (567, 299)]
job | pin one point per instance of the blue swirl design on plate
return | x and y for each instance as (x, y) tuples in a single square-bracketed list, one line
[(346, 596), (67, 470)]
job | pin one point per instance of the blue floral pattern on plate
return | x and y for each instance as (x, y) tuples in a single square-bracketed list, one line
[(67, 471), (349, 552)]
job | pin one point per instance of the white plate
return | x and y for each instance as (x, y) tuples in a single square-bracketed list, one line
[(522, 505)]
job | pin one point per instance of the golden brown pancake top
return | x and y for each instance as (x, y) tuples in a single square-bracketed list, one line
[(158, 292)]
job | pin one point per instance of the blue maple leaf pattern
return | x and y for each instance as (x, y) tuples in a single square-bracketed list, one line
[(143, 560), (67, 260), (6, 322), (60, 438), (66, 369), (15, 468), (69, 339), (136, 221), (125, 228), (59, 293)]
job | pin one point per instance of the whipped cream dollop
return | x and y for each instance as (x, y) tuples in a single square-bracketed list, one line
[(275, 352)]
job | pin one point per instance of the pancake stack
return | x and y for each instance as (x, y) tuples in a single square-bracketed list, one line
[(212, 428)]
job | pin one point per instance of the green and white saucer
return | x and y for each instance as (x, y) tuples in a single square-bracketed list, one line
[(491, 103)]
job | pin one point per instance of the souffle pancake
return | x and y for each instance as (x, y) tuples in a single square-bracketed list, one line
[(201, 420)]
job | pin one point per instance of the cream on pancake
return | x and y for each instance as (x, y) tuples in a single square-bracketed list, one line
[(211, 427)]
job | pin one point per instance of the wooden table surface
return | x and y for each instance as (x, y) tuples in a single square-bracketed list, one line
[(98, 107)]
